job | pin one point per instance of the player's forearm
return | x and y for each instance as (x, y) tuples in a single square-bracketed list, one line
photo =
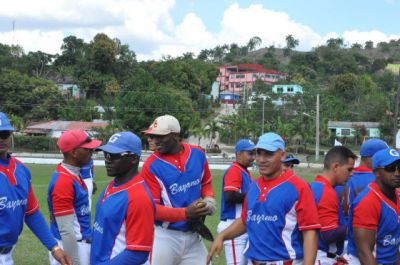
[(65, 226), (310, 246), (334, 235), (39, 227), (236, 229), (365, 256), (170, 214)]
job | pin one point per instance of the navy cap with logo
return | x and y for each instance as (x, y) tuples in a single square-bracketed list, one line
[(123, 142), (384, 158), (244, 145), (5, 123), (291, 159)]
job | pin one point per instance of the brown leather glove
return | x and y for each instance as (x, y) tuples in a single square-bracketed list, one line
[(198, 226)]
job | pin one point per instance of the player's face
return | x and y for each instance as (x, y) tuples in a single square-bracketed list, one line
[(343, 171), (5, 142), (83, 155), (166, 144), (269, 163), (246, 158), (118, 164), (390, 175), (152, 145)]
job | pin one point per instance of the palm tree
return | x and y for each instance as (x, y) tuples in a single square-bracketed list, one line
[(211, 130), (253, 43)]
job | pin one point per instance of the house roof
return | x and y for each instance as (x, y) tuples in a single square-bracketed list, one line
[(350, 124), (252, 68), (63, 126)]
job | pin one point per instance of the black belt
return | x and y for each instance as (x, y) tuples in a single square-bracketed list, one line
[(5, 250), (87, 240), (331, 255)]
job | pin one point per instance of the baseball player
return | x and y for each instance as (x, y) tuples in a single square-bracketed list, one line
[(19, 204), (338, 164), (87, 173), (279, 213), (68, 199), (179, 179), (235, 183), (289, 162), (362, 175), (374, 234), (124, 224)]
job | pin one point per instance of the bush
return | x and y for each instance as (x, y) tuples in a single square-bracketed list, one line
[(34, 143)]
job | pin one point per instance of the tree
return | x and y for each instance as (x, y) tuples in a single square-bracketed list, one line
[(253, 43), (211, 131), (291, 43), (369, 44), (72, 51), (335, 43)]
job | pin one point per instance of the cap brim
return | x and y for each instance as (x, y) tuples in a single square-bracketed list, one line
[(7, 128), (246, 149), (112, 149), (156, 132), (91, 145), (390, 161), (291, 160), (267, 147)]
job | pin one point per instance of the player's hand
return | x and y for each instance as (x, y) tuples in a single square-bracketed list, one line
[(94, 188), (62, 257), (196, 209), (216, 248)]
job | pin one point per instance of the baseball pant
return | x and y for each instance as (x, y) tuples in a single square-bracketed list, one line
[(234, 249), (173, 247), (279, 262), (6, 259), (323, 259), (353, 260), (89, 186), (83, 251)]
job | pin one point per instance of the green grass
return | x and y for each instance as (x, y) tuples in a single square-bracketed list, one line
[(29, 250)]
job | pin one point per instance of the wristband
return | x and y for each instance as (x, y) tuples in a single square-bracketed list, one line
[(54, 249)]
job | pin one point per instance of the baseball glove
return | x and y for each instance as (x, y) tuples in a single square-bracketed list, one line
[(198, 226)]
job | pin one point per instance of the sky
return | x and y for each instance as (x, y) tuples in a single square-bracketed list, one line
[(156, 28)]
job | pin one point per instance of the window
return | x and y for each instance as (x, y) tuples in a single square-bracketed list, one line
[(279, 89), (239, 76), (232, 85), (255, 76), (345, 132), (290, 89)]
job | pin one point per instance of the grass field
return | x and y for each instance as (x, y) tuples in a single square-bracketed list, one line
[(29, 250)]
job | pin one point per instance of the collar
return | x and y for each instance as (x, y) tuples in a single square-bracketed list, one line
[(322, 179), (375, 188), (362, 169), (285, 175), (76, 171)]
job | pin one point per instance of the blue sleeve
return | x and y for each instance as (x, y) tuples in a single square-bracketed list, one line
[(128, 257), (39, 227)]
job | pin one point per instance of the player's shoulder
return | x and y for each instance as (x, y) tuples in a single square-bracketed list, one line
[(367, 196), (298, 182), (194, 148), (150, 160)]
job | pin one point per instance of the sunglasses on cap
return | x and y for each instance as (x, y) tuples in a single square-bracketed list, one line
[(392, 167), (109, 156), (5, 134)]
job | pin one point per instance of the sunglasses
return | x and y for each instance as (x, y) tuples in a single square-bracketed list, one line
[(392, 168), (5, 134), (109, 156)]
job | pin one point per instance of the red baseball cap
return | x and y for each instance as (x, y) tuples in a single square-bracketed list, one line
[(73, 139)]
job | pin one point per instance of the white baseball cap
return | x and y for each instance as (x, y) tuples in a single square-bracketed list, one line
[(164, 125)]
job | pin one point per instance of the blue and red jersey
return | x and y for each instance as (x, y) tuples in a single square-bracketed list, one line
[(16, 199), (275, 212), (87, 171), (359, 180), (238, 179), (177, 180), (124, 220), (328, 206), (67, 194), (372, 210)]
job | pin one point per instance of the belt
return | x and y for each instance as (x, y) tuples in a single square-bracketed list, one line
[(331, 255), (5, 250), (87, 240), (285, 262)]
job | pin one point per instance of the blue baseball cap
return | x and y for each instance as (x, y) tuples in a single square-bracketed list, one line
[(371, 146), (270, 142), (244, 145), (123, 142), (5, 123), (291, 159), (385, 157)]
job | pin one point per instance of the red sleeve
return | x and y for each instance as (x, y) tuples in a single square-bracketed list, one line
[(244, 210), (206, 182), (307, 214), (169, 214), (367, 212), (151, 180), (140, 221), (63, 196), (233, 179), (33, 205), (328, 210)]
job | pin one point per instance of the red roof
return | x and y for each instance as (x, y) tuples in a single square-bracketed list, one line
[(66, 125), (254, 68)]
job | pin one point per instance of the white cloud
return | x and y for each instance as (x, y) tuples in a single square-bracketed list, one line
[(148, 26)]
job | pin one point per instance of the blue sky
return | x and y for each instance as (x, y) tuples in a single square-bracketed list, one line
[(154, 28)]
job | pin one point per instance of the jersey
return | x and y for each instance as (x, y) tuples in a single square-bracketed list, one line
[(16, 199), (178, 180), (87, 170), (374, 211), (124, 220), (275, 212), (328, 206), (238, 179), (67, 194), (361, 177)]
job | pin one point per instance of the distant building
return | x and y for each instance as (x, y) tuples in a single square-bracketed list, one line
[(287, 89), (68, 87), (56, 128), (348, 129), (229, 98)]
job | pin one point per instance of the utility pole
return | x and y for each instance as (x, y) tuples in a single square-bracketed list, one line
[(396, 115), (262, 124), (317, 130)]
